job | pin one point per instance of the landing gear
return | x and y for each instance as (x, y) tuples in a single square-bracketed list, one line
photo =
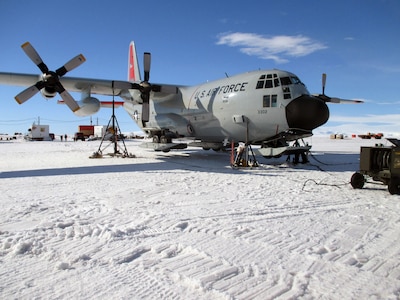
[(162, 139), (298, 153)]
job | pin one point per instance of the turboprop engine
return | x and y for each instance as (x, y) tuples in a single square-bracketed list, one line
[(48, 93)]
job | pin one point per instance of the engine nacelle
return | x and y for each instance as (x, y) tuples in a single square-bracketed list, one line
[(48, 93), (88, 106)]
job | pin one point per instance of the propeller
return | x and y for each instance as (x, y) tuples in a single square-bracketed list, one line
[(50, 79), (326, 98), (145, 87)]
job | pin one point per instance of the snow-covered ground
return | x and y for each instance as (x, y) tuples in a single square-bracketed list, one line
[(184, 225)]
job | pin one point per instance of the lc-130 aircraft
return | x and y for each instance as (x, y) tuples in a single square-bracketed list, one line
[(269, 108)]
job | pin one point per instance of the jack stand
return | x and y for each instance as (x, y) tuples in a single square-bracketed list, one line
[(114, 139), (245, 157)]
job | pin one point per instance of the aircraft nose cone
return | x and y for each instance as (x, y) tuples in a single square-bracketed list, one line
[(306, 112)]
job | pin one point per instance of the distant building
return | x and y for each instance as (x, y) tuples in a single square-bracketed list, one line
[(38, 133)]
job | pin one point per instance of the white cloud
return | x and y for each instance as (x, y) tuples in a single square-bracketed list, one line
[(276, 48)]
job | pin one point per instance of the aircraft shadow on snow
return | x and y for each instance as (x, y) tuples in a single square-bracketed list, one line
[(213, 163)]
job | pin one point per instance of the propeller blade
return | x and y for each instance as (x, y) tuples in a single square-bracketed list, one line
[(145, 112), (328, 99), (146, 65), (26, 94), (72, 64), (345, 101), (323, 83), (146, 107), (68, 99), (35, 57)]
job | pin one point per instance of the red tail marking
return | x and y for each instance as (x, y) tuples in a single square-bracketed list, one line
[(131, 75)]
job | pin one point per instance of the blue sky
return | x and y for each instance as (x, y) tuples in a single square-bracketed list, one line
[(356, 43)]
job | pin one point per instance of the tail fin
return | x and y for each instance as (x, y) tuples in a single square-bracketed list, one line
[(133, 66)]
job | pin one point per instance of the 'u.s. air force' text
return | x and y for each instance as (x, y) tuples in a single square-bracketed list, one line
[(232, 88)]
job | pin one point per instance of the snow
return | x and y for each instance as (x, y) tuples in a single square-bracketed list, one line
[(184, 225)]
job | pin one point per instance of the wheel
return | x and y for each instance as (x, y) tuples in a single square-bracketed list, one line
[(357, 180), (156, 139), (164, 139), (393, 186)]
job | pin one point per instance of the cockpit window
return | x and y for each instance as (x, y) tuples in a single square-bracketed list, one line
[(286, 81), (290, 80), (295, 80), (266, 81)]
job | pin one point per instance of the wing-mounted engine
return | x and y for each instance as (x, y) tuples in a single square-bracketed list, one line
[(48, 92), (49, 84), (142, 92)]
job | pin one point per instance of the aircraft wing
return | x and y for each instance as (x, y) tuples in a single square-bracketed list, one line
[(326, 98), (107, 104), (94, 86)]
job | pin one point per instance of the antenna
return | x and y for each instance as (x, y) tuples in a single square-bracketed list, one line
[(114, 128)]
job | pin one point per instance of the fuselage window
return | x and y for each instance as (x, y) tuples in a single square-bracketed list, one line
[(286, 92), (266, 100), (274, 100), (270, 100), (260, 84)]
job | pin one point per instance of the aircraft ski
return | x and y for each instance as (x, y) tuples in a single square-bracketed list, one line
[(163, 147), (271, 152)]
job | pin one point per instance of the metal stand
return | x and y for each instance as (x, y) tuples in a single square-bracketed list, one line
[(117, 135), (245, 157)]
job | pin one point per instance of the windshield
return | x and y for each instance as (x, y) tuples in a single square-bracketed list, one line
[(290, 80)]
